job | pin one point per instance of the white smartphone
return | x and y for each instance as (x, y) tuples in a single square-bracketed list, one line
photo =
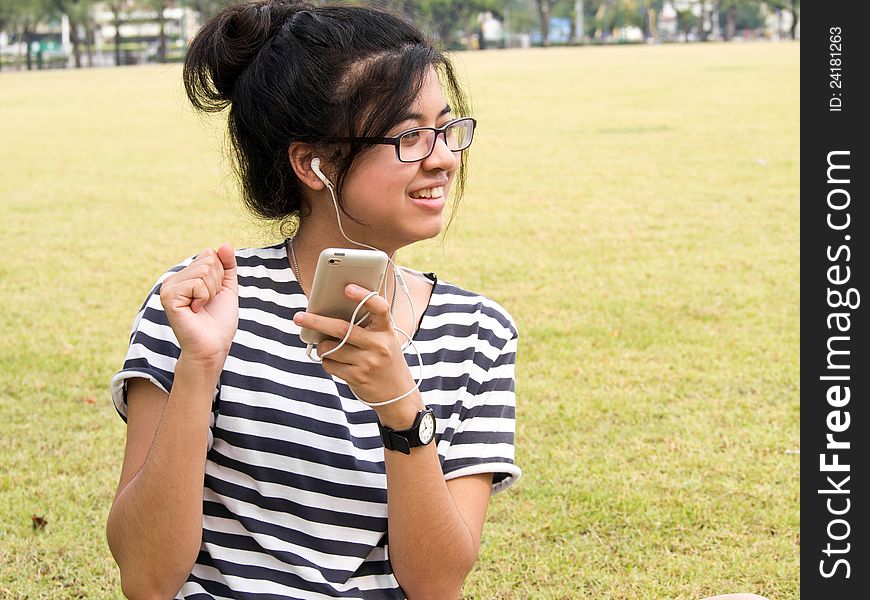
[(336, 269)]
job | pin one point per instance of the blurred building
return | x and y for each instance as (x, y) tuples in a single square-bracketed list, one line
[(140, 31), (51, 41)]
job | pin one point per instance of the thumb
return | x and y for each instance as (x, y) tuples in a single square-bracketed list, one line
[(228, 259)]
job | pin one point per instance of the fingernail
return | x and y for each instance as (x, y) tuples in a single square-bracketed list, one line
[(297, 318), (353, 289)]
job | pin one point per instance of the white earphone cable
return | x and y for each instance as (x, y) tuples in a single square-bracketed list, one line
[(315, 166)]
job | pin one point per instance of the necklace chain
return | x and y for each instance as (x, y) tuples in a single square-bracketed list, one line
[(299, 278), (393, 300), (295, 264)]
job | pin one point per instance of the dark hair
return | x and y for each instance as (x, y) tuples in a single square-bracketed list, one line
[(293, 71)]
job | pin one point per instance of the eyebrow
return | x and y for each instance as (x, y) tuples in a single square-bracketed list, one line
[(419, 117)]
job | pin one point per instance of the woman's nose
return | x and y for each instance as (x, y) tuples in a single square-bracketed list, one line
[(442, 157)]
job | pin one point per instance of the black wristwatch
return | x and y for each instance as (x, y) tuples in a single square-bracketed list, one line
[(422, 432)]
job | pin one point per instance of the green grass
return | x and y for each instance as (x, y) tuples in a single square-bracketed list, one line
[(635, 208)]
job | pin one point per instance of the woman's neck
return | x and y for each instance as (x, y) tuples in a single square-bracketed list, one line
[(307, 245)]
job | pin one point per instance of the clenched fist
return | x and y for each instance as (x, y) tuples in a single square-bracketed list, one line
[(202, 304)]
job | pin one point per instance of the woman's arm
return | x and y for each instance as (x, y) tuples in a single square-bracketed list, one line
[(155, 524), (434, 526), (154, 528)]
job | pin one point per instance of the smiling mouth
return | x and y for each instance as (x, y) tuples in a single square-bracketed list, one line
[(433, 193)]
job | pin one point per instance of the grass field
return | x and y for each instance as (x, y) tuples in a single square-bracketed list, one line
[(634, 208)]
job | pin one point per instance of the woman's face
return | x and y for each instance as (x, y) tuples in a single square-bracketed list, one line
[(385, 193)]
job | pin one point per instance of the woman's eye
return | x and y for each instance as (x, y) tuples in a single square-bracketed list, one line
[(410, 138)]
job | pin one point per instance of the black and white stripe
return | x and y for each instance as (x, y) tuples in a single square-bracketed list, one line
[(295, 489)]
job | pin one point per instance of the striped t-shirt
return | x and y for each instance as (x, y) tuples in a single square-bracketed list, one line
[(295, 498)]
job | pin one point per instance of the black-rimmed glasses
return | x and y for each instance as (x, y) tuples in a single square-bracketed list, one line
[(418, 143)]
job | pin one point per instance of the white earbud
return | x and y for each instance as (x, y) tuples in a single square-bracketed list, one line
[(315, 166)]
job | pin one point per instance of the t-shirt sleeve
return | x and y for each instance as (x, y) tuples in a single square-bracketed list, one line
[(153, 351), (483, 439)]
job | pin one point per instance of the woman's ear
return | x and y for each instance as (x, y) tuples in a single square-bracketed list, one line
[(301, 155)]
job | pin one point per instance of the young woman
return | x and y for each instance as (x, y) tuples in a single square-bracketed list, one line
[(251, 471)]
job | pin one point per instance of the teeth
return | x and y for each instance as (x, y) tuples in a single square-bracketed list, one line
[(435, 192)]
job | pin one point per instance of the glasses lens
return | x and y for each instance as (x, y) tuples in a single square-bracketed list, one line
[(416, 145), (459, 134)]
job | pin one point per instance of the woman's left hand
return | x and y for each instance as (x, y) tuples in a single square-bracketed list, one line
[(371, 361)]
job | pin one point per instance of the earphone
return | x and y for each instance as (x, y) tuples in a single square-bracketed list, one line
[(315, 166), (397, 275)]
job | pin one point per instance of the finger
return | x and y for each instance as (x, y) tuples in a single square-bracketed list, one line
[(198, 293), (207, 265), (215, 277), (197, 283), (203, 257), (377, 306), (227, 257), (192, 270), (210, 273), (337, 368), (344, 355), (334, 328), (326, 345)]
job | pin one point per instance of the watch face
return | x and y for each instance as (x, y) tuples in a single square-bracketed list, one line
[(427, 428)]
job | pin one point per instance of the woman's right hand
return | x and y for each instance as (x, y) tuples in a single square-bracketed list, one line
[(202, 305)]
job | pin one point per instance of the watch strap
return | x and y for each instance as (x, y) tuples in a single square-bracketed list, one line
[(403, 440), (394, 441)]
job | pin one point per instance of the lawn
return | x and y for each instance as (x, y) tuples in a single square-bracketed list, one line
[(635, 208)]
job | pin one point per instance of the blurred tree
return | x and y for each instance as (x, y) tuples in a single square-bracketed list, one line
[(5, 20), (21, 17), (84, 15), (602, 19), (749, 15), (5, 14), (651, 9), (795, 6), (159, 6), (686, 21), (740, 14), (118, 7), (207, 8), (791, 6), (590, 11), (606, 16), (630, 13), (728, 10), (545, 10), (80, 14), (89, 24), (569, 10), (705, 15), (519, 16), (574, 10), (446, 18)]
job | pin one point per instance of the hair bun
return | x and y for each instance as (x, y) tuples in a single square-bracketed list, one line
[(227, 44)]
